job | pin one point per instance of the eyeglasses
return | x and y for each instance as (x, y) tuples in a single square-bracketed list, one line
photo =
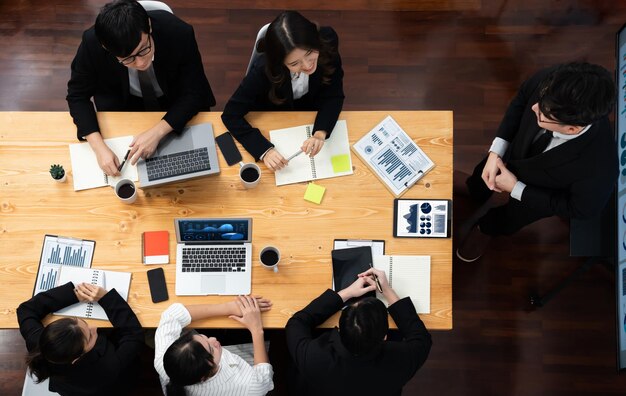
[(539, 113), (141, 53)]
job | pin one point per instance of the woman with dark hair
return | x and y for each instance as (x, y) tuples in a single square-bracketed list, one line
[(193, 364), (299, 70), (71, 353)]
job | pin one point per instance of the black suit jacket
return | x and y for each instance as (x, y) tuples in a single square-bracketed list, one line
[(329, 369), (177, 64), (574, 179), (104, 369), (252, 95)]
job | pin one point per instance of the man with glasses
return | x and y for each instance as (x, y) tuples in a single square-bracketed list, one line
[(133, 60), (554, 154)]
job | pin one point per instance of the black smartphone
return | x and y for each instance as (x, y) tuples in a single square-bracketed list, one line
[(228, 148), (158, 287)]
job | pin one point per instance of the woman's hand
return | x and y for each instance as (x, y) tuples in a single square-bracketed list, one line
[(274, 160), (250, 313), (314, 144), (86, 292)]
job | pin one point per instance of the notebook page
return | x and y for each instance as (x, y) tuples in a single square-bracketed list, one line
[(334, 158), (408, 276), (105, 279), (287, 142), (85, 169)]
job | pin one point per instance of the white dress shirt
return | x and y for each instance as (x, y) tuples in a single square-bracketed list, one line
[(234, 377)]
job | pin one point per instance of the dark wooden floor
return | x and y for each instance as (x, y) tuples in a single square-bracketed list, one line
[(465, 55)]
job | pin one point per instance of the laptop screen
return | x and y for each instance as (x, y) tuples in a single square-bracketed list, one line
[(213, 230)]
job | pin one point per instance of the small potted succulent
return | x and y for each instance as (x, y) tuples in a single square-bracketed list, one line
[(58, 173)]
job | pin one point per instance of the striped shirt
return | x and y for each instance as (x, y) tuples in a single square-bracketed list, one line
[(234, 376)]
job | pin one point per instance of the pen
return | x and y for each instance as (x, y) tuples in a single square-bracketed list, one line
[(119, 168), (378, 286), (295, 155)]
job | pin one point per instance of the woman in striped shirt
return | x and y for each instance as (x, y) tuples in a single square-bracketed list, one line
[(193, 364)]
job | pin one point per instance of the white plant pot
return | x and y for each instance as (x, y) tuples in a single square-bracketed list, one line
[(62, 180)]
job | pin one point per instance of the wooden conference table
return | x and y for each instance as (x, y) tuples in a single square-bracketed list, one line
[(356, 206)]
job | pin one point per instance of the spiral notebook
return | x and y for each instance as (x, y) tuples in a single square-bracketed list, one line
[(105, 279), (333, 160), (408, 276), (85, 169)]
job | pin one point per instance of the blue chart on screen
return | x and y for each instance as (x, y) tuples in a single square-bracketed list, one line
[(213, 230)]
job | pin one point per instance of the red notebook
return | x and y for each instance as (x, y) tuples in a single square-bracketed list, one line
[(155, 247)]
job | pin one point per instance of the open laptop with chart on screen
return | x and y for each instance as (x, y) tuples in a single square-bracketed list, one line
[(213, 256)]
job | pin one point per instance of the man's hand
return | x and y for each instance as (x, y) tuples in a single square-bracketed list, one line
[(506, 180), (490, 171), (359, 287), (146, 143), (107, 160), (274, 160), (314, 144)]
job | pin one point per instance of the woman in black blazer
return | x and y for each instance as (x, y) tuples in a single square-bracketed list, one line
[(77, 359), (299, 70)]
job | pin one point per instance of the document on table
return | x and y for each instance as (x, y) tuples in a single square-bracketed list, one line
[(393, 156), (86, 171)]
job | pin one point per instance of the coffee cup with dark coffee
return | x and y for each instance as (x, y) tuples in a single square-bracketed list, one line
[(250, 174), (126, 191), (269, 257)]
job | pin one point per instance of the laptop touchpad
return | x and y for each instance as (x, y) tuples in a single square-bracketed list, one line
[(213, 284)]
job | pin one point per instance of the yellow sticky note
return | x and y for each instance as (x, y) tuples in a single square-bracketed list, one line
[(341, 163), (314, 193)]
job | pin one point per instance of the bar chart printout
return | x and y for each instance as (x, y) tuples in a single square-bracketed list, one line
[(58, 251)]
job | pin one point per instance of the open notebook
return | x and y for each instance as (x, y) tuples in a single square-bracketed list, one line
[(408, 276), (105, 279), (333, 160), (86, 171)]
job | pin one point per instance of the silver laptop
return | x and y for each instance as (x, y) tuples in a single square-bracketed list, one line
[(180, 157), (213, 256)]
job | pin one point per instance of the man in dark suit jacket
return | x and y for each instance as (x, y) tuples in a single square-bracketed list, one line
[(357, 358), (129, 51), (554, 153)]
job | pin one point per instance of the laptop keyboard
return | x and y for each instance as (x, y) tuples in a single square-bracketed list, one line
[(178, 164), (214, 259)]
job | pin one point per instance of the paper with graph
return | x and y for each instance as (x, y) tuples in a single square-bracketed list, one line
[(333, 160), (393, 156)]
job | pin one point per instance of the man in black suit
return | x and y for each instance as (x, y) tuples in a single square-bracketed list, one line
[(133, 60), (554, 153), (357, 358)]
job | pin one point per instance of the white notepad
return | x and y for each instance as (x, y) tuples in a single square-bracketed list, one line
[(333, 160), (105, 279), (408, 276), (86, 171)]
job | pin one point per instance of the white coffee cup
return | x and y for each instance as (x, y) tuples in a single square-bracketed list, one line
[(126, 191), (249, 174), (270, 257)]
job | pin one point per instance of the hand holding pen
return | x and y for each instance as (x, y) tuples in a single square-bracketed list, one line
[(378, 286), (119, 168)]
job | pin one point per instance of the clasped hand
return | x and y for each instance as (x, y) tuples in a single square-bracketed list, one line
[(86, 292), (247, 311), (497, 176)]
